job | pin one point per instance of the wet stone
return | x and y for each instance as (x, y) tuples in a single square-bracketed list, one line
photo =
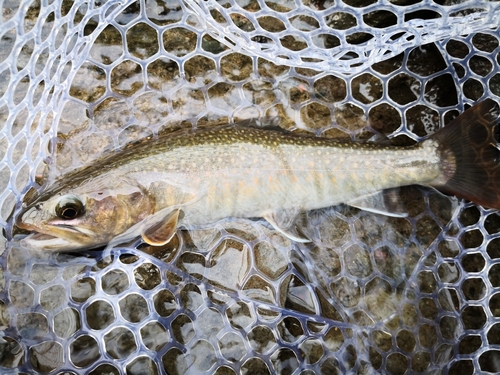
[(472, 239), (423, 121), (66, 322), (448, 272), (165, 303), (284, 361), (388, 262), (192, 263), (315, 116), (441, 90), (12, 353), (16, 261), (362, 318), (358, 262), (311, 350), (448, 299), (217, 297), (179, 41), (83, 289), (147, 276), (347, 292), (202, 355), (142, 41), (379, 298), (134, 308), (84, 351), (299, 297), (52, 297), (142, 365), (290, 329), (105, 369), (210, 322), (494, 275), (174, 362), (126, 78), (258, 289), (229, 264), (108, 46), (406, 340), (183, 329), (427, 335), (384, 118), (397, 364), (232, 347), (261, 339), (474, 289), (426, 281), (403, 89), (191, 297), (426, 60), (115, 282), (367, 88), (21, 294), (269, 260), (32, 325), (4, 316), (427, 230), (382, 340), (255, 366), (239, 315), (99, 315), (173, 278), (492, 223), (43, 274), (120, 343), (469, 344), (236, 67), (428, 308), (326, 260), (330, 367), (420, 361), (154, 336), (46, 356)]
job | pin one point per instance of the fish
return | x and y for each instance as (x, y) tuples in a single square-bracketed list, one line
[(192, 178)]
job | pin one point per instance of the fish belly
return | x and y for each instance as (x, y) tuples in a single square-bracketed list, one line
[(304, 178)]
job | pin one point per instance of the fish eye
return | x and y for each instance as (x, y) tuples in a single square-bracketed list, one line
[(69, 207)]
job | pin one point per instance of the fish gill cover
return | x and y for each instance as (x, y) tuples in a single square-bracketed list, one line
[(371, 295)]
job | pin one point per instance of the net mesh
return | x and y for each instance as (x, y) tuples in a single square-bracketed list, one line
[(370, 295)]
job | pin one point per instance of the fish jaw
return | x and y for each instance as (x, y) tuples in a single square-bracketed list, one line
[(55, 235), (42, 242)]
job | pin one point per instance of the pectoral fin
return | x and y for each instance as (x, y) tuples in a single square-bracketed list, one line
[(284, 222), (160, 232), (386, 202)]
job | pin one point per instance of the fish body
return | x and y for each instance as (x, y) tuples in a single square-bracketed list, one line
[(197, 177)]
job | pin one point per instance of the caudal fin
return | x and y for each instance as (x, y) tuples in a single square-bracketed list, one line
[(470, 155)]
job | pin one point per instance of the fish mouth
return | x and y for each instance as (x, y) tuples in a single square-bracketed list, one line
[(46, 242), (55, 238)]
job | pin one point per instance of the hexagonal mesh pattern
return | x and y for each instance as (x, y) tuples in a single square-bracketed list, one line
[(370, 295)]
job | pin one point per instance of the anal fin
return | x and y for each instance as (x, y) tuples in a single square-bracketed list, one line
[(386, 202), (284, 222)]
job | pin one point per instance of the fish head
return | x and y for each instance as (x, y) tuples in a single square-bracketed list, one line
[(83, 218)]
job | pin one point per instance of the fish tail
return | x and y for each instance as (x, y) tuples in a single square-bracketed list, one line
[(470, 155)]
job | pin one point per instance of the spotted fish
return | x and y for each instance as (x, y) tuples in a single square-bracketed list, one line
[(192, 178)]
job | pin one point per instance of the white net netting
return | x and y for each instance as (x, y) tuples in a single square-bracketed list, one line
[(370, 295)]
